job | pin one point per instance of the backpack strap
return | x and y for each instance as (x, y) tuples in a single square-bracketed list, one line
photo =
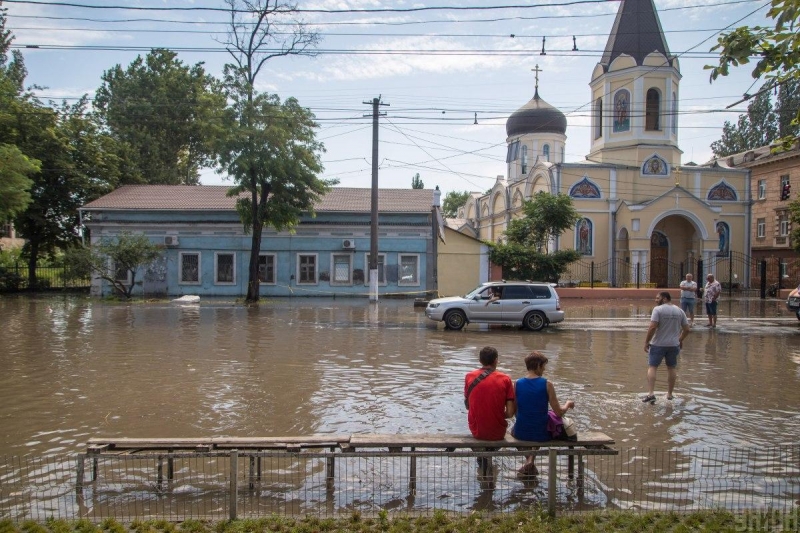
[(474, 384)]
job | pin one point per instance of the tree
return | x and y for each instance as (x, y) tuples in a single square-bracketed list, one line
[(524, 256), (117, 261), (452, 201), (759, 127), (777, 50), (270, 151), (786, 108), (15, 185), (165, 115), (416, 182)]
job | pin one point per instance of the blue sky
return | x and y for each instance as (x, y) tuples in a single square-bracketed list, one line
[(438, 70)]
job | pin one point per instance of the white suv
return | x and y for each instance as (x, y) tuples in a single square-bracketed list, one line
[(533, 305)]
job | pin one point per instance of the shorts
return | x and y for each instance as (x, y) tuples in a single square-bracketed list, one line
[(667, 353), (711, 308), (687, 305)]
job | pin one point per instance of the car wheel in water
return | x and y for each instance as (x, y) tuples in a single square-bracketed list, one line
[(534, 321), (455, 319)]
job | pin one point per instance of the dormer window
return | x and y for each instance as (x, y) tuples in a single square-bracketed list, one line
[(652, 118)]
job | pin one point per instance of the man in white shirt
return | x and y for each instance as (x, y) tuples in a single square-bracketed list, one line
[(668, 328), (688, 297)]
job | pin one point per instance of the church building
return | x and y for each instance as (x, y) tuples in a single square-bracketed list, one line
[(644, 216)]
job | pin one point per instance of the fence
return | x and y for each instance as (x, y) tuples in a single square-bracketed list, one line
[(737, 272), (15, 278), (200, 485)]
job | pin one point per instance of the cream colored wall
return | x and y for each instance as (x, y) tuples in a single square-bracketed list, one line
[(459, 264)]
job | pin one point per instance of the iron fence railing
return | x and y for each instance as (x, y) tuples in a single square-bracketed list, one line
[(15, 278), (200, 485)]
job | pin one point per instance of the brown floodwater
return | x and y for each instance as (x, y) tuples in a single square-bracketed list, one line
[(74, 368)]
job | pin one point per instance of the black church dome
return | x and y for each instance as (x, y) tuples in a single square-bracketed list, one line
[(537, 116)]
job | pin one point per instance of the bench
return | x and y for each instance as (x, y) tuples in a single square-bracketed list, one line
[(588, 443)]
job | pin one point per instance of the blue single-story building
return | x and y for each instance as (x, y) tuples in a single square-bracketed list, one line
[(206, 251)]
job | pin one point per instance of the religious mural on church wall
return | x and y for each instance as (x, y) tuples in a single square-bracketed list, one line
[(583, 236), (622, 111), (584, 189), (655, 166), (724, 233), (722, 192)]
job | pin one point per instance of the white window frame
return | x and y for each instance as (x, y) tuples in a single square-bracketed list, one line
[(783, 226), (349, 257), (400, 271), (762, 189), (316, 268), (274, 269), (381, 269), (761, 228), (216, 268), (199, 281), (127, 280)]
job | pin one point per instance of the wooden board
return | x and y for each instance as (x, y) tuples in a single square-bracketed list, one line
[(586, 439), (216, 443)]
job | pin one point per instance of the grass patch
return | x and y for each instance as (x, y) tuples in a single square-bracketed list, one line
[(532, 521)]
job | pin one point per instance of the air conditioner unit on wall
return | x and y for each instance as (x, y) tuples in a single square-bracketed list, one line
[(171, 240), (348, 244)]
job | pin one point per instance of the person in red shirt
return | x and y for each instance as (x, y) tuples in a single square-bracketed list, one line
[(491, 402)]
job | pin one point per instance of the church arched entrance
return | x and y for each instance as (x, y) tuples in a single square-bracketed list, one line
[(675, 245)]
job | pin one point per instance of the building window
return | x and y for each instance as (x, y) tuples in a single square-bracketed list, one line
[(783, 225), (546, 152), (513, 152), (598, 115), (189, 266), (122, 274), (652, 115), (381, 269), (342, 269), (786, 187), (674, 114), (224, 268), (409, 269), (762, 189), (524, 159), (761, 228), (307, 268), (266, 268)]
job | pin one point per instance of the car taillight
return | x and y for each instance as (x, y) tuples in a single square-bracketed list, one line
[(558, 304)]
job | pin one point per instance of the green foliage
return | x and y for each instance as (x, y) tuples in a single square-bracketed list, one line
[(759, 127), (452, 201), (794, 218), (269, 148), (546, 216), (15, 185), (113, 260), (777, 49), (416, 182), (164, 115)]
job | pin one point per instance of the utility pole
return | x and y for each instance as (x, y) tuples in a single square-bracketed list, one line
[(373, 241)]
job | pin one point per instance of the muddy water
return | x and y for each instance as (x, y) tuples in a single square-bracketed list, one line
[(73, 368)]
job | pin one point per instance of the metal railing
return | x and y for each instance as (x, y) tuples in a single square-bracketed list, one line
[(15, 278), (183, 486)]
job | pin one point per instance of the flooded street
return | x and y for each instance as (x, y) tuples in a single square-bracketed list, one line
[(73, 368)]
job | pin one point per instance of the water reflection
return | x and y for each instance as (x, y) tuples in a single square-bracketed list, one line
[(76, 368)]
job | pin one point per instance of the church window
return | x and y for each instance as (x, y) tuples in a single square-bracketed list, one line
[(513, 152), (652, 118), (674, 114), (524, 159), (598, 115), (546, 152)]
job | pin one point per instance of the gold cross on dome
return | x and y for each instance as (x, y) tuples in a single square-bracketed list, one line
[(536, 70)]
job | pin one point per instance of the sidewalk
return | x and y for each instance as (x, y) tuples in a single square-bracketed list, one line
[(605, 293)]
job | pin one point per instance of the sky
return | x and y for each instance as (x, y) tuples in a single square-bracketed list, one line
[(450, 72)]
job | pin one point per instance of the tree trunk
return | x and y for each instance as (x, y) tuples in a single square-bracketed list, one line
[(253, 284), (32, 260)]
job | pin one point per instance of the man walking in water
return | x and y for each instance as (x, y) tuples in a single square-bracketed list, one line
[(688, 295), (668, 328)]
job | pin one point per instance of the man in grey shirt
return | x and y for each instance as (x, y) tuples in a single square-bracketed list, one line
[(668, 328)]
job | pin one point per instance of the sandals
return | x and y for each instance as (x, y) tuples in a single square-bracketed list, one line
[(651, 398)]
